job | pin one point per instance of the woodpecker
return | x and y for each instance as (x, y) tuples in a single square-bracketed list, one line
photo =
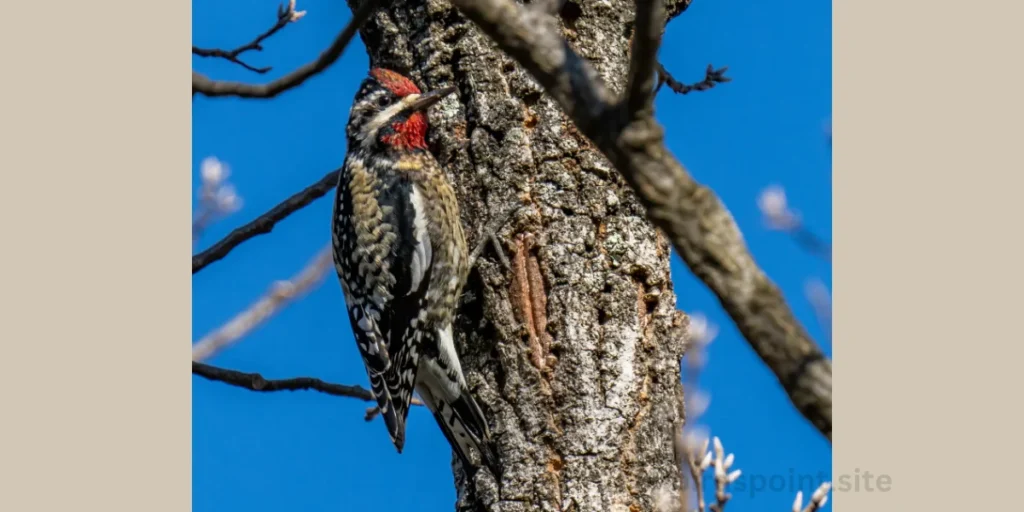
[(402, 260)]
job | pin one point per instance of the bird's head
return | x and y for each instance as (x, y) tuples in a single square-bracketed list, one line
[(390, 110)]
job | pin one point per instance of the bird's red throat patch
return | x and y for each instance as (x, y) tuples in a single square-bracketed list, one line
[(412, 132), (408, 134)]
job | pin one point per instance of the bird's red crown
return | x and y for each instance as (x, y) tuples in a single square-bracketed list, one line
[(396, 83)]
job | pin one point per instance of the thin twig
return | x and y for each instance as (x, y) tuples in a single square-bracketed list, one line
[(265, 223), (640, 88), (712, 77), (488, 236), (203, 85), (697, 462), (500, 251), (811, 242), (778, 216), (256, 382), (279, 295), (285, 15)]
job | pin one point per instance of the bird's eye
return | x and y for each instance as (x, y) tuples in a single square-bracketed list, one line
[(382, 101)]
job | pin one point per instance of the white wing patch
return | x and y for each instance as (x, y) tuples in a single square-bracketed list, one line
[(446, 349), (423, 252), (442, 377)]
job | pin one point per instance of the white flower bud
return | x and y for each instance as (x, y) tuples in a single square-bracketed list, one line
[(704, 464), (773, 205), (213, 171), (699, 403), (821, 493), (694, 438), (772, 201), (702, 331), (228, 200)]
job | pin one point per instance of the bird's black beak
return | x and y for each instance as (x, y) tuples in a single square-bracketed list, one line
[(427, 99)]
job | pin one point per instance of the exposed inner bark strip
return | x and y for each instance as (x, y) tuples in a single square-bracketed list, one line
[(526, 298), (531, 303)]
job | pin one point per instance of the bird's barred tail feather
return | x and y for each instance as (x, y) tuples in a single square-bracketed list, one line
[(400, 385), (394, 420), (465, 427)]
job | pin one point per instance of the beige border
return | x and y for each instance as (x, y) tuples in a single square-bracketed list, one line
[(924, 123), (96, 410)]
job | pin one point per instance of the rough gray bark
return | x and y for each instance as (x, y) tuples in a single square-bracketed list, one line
[(574, 348), (697, 224)]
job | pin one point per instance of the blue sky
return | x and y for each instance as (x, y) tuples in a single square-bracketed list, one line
[(311, 452)]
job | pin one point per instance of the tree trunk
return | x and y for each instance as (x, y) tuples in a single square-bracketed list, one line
[(573, 348)]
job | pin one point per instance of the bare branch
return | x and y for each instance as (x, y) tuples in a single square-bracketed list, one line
[(649, 23), (285, 15), (256, 382), (207, 87), (700, 228), (279, 295), (712, 77), (265, 223)]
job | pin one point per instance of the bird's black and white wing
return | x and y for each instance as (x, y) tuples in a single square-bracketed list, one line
[(383, 256)]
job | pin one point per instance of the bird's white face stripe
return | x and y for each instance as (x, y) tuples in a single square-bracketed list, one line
[(423, 252), (369, 133)]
